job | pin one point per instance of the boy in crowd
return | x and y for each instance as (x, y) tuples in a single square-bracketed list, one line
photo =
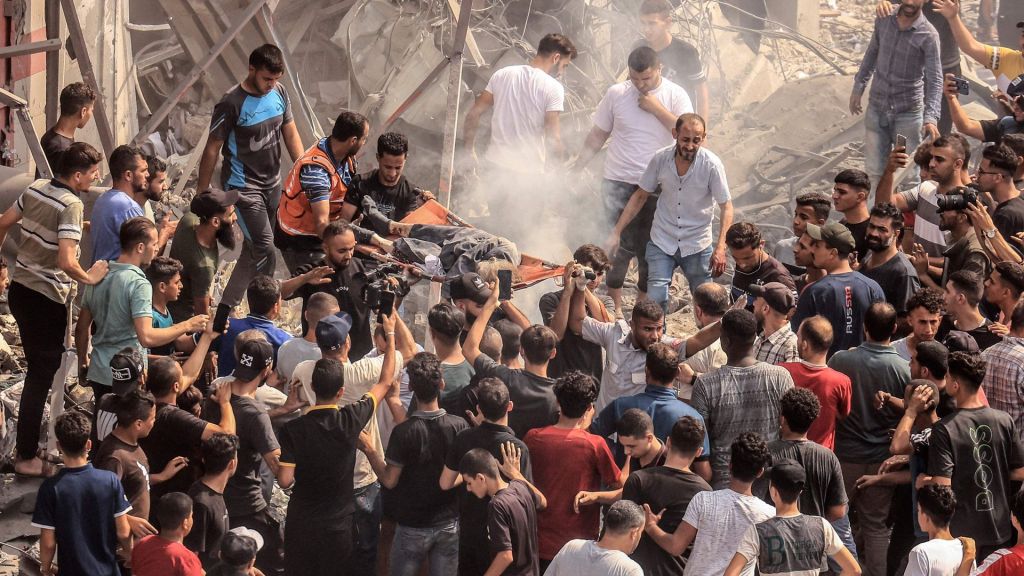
[(641, 448), (511, 511), (446, 324), (264, 298), (924, 314), (754, 266), (238, 553), (76, 104), (813, 207), (81, 512), (209, 513), (164, 275), (942, 553), (1008, 561), (791, 542), (609, 556), (164, 554)]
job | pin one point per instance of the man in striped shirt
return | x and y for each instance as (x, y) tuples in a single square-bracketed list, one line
[(42, 282)]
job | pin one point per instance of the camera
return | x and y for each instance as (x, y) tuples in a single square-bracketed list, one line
[(379, 291), (587, 272), (963, 87), (958, 199)]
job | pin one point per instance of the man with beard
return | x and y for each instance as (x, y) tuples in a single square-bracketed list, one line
[(965, 251), (692, 181), (945, 170), (387, 186), (316, 189), (208, 225), (156, 185), (885, 263), (129, 172), (906, 94)]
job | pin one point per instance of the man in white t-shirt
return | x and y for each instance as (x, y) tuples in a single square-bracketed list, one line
[(942, 553), (638, 115), (609, 556)]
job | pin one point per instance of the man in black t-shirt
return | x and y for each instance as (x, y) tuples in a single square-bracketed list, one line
[(209, 513), (995, 175), (885, 263), (318, 457), (963, 293), (680, 61), (976, 450), (393, 195), (491, 434), (850, 196), (668, 488), (426, 515), (754, 267), (76, 104)]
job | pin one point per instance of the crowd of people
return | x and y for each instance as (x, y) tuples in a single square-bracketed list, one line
[(851, 402)]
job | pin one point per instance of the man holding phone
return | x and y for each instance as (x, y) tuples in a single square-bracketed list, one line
[(988, 130)]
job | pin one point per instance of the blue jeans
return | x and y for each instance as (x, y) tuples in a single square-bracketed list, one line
[(845, 532), (882, 127), (366, 530), (695, 267), (438, 543)]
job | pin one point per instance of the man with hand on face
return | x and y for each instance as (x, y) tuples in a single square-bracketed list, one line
[(316, 189), (639, 117), (692, 181), (906, 94), (129, 171), (681, 60)]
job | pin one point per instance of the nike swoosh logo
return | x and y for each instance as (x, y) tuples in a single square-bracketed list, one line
[(262, 143)]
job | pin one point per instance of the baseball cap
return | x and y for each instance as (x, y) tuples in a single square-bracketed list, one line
[(213, 202), (834, 234), (1016, 87), (788, 474), (239, 546), (776, 294), (471, 287), (125, 370), (253, 356), (960, 341), (332, 331)]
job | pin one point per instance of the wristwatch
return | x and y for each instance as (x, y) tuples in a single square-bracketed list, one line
[(990, 233)]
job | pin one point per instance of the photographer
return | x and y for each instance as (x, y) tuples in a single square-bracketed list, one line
[(964, 252), (988, 130)]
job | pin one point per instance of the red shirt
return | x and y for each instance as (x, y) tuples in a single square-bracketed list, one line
[(834, 392), (566, 462), (1010, 562), (156, 556)]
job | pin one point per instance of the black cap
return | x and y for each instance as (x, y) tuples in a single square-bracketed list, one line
[(1016, 87), (470, 286), (253, 357), (789, 475), (332, 331), (776, 295), (212, 202), (960, 341), (125, 370)]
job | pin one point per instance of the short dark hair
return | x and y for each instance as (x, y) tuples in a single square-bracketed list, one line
[(350, 124), (880, 321), (510, 333), (1002, 158), (172, 509), (79, 157), (575, 392), (162, 375), (478, 462), (938, 503), (538, 342), (446, 321), (817, 332), (750, 456), (122, 160), (1012, 275), (1017, 316), (821, 203), (687, 435), (593, 256), (135, 231), (189, 399), (218, 451), (72, 430), (662, 363), (267, 57), (1014, 142), (135, 405), (634, 423), (739, 326), (928, 298), (934, 356), (263, 293), (954, 144), (492, 399), (659, 7), (328, 378), (74, 97), (425, 376), (968, 283), (800, 407), (890, 211), (743, 235), (155, 165), (854, 178), (162, 269), (968, 369), (648, 310), (556, 44), (392, 144), (712, 298), (642, 59), (337, 228)]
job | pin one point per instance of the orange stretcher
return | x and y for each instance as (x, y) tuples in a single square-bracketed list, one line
[(532, 270)]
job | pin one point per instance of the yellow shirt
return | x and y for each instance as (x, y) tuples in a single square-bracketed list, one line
[(1004, 62)]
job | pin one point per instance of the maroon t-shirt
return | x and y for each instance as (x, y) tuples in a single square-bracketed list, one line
[(566, 462), (834, 392)]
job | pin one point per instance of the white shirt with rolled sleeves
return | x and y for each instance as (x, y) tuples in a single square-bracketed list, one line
[(624, 363), (522, 96), (686, 204), (636, 135)]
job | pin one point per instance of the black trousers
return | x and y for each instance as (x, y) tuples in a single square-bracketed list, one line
[(42, 323), (315, 549), (270, 558)]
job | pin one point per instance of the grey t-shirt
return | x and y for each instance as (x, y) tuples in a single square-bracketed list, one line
[(733, 400), (294, 352), (791, 545), (586, 558), (456, 377)]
